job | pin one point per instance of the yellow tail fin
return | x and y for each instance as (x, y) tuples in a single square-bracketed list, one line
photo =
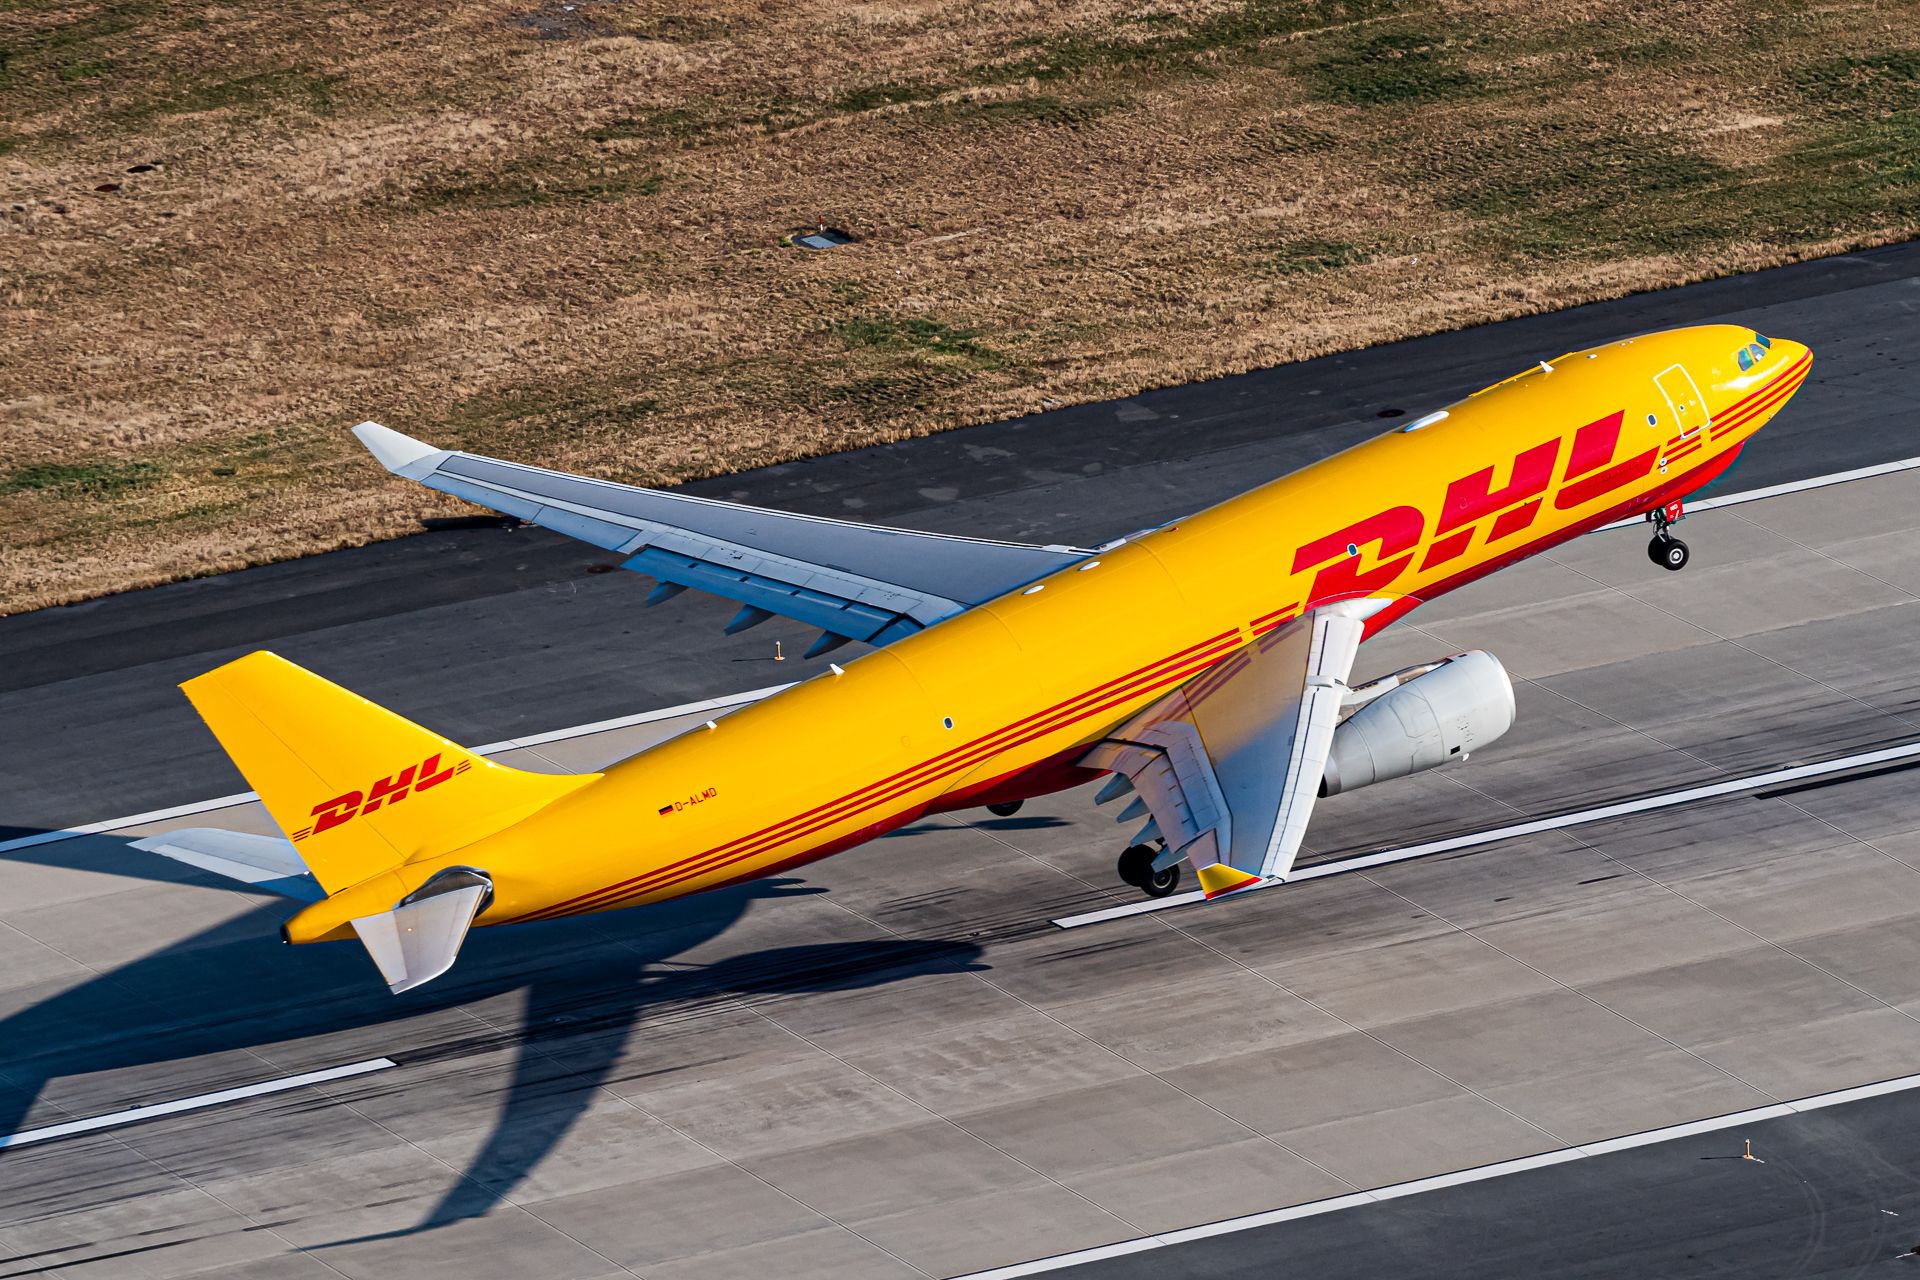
[(357, 788)]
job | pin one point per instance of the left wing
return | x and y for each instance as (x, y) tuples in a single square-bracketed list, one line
[(853, 581), (1230, 763)]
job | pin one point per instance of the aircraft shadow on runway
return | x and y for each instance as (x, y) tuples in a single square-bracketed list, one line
[(586, 982)]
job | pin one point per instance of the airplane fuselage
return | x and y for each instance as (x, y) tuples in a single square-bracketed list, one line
[(999, 702)]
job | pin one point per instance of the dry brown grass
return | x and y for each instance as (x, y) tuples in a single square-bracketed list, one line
[(554, 233)]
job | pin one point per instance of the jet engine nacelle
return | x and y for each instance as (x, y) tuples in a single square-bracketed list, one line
[(1419, 719)]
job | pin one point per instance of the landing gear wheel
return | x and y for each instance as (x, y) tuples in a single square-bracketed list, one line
[(1006, 810), (1136, 869), (1668, 553)]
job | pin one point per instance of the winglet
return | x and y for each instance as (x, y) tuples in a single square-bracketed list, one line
[(1217, 878), (396, 452)]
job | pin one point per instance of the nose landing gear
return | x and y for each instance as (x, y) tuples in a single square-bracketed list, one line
[(1136, 869), (1666, 550)]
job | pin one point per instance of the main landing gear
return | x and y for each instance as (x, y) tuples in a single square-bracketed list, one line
[(1666, 550), (1006, 810), (1136, 869)]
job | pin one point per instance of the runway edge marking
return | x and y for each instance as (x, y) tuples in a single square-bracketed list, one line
[(729, 701), (198, 1102), (1494, 835), (1397, 1190)]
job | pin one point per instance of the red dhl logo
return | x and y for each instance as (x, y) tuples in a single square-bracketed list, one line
[(1591, 472), (387, 791)]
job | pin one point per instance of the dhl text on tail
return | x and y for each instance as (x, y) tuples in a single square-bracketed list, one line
[(1200, 668)]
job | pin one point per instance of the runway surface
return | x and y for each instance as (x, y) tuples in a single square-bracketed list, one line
[(898, 1065)]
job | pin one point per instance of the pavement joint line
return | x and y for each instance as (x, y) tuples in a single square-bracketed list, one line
[(730, 701), (1494, 835), (197, 1102), (1481, 1173)]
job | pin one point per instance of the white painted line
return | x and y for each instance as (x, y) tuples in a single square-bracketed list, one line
[(199, 1102), (1776, 490), (1476, 839), (709, 706), (723, 703), (1564, 1155)]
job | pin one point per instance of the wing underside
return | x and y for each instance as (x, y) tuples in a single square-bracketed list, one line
[(853, 581), (1229, 765)]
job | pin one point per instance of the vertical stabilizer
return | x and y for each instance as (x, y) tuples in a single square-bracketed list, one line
[(358, 789)]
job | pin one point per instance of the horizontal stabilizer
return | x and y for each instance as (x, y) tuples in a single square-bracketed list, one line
[(266, 862), (418, 940)]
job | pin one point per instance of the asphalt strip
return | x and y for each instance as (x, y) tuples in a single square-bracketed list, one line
[(1313, 1208)]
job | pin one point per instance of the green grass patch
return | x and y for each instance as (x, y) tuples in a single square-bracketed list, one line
[(522, 418), (1888, 81), (1862, 170), (1391, 67), (1559, 188), (1306, 257), (916, 334), (869, 97), (81, 479), (1038, 109), (533, 182), (1170, 44), (294, 86), (71, 72), (672, 126)]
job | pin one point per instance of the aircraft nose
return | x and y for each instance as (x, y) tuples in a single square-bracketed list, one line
[(1791, 350)]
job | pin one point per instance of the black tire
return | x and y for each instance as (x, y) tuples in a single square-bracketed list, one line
[(1136, 865), (1006, 810), (1674, 555), (1162, 883)]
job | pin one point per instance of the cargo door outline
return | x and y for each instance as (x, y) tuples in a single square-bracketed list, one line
[(1685, 405)]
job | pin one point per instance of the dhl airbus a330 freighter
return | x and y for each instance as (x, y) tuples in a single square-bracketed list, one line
[(1201, 667)]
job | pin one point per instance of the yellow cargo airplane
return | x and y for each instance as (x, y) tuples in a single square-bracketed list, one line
[(1202, 666)]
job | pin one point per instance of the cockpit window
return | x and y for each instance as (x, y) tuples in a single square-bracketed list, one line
[(1763, 340), (1746, 361)]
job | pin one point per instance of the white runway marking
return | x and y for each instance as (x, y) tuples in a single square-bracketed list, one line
[(1473, 840), (1314, 1208), (199, 1102), (738, 699), (1776, 490)]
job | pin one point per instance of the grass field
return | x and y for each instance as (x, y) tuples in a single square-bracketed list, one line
[(555, 232)]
